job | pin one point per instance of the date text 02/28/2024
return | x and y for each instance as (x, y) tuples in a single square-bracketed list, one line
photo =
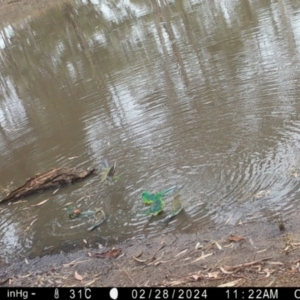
[(168, 293), (210, 293)]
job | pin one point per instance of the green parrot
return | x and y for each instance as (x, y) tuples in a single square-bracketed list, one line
[(157, 206), (148, 197)]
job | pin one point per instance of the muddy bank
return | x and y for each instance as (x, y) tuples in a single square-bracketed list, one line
[(250, 255)]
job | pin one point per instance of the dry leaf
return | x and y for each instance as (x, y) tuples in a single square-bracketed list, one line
[(58, 281), (271, 282), (274, 263), (260, 251), (139, 260), (252, 243), (177, 282), (180, 253), (198, 245), (139, 254), (91, 282), (4, 281), (156, 263), (197, 277), (40, 203), (20, 201), (25, 276), (262, 193), (213, 275), (230, 284), (218, 245), (32, 222), (267, 271), (258, 268), (225, 271), (107, 254), (235, 238), (228, 220), (73, 262), (295, 267), (202, 257), (77, 276)]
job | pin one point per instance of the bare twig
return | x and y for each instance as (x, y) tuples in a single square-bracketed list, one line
[(249, 264), (162, 246), (126, 272)]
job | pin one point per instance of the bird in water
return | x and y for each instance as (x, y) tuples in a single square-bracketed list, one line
[(108, 171), (112, 170), (157, 206), (176, 208), (149, 197), (97, 216), (98, 219), (73, 212), (156, 200)]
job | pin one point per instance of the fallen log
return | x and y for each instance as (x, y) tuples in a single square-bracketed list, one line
[(47, 180)]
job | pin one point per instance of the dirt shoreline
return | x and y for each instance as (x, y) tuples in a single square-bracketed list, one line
[(257, 254), (265, 256)]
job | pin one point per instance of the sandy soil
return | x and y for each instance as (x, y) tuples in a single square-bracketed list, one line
[(257, 254)]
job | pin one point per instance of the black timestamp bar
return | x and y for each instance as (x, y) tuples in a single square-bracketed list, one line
[(155, 293)]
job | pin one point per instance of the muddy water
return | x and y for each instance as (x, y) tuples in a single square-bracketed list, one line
[(203, 94)]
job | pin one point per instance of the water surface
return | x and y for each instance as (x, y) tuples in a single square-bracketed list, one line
[(196, 93)]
